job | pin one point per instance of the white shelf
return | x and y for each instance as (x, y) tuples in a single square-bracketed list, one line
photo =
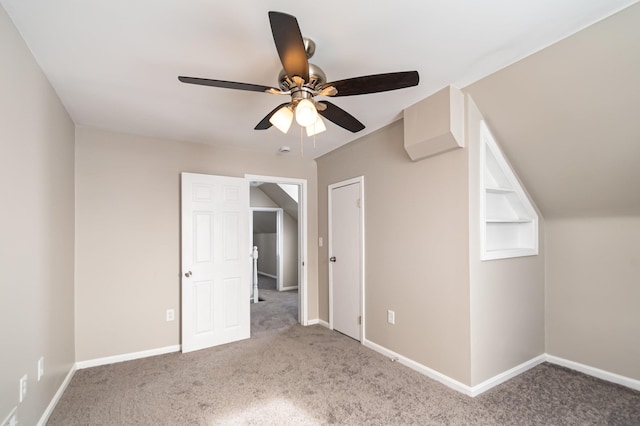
[(509, 223), (499, 190)]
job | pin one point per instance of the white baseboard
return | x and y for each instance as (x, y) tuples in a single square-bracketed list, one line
[(319, 322), (293, 287), (423, 369), (472, 391), (126, 357), (54, 401), (506, 375), (595, 372), (275, 277)]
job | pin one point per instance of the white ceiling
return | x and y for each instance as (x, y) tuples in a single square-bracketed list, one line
[(114, 63)]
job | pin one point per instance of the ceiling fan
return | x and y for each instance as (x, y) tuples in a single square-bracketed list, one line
[(304, 81)]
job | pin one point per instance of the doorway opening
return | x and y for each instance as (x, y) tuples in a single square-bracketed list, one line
[(278, 230), (268, 235)]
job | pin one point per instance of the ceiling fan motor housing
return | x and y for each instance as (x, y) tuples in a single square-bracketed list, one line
[(317, 78)]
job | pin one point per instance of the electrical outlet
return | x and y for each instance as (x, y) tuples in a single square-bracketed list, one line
[(12, 418), (40, 368), (391, 317), (23, 387), (171, 314)]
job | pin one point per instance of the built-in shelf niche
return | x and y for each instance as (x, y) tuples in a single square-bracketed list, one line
[(509, 223)]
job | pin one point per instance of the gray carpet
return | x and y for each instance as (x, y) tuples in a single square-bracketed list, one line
[(266, 283), (277, 310), (310, 375)]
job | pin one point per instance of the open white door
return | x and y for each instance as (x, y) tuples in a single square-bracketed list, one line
[(215, 260)]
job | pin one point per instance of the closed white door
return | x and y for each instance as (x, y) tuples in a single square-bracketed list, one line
[(216, 260), (345, 258)]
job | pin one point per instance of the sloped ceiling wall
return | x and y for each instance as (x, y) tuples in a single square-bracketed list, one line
[(281, 198), (568, 119)]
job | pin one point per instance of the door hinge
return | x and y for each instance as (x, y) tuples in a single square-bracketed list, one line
[(360, 320), (359, 203)]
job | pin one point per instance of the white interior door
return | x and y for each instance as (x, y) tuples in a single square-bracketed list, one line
[(215, 260), (346, 257)]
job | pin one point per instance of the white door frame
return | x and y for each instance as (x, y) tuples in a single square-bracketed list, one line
[(302, 239), (359, 179), (279, 237)]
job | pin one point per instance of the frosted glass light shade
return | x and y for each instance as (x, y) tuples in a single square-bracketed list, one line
[(306, 113), (317, 127), (282, 119)]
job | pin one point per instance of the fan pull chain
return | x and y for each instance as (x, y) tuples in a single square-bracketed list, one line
[(301, 143)]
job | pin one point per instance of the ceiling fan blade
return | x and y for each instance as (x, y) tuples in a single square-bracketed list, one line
[(226, 84), (340, 117), (289, 43), (374, 83), (265, 123)]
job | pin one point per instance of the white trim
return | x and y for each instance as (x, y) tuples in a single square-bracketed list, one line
[(11, 417), (513, 186), (476, 390), (506, 375), (363, 257), (318, 321), (126, 357), (429, 372), (302, 238), (267, 275), (293, 287), (54, 401), (595, 372), (360, 180), (471, 391)]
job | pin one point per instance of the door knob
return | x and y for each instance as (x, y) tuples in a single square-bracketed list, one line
[(188, 274), (332, 259)]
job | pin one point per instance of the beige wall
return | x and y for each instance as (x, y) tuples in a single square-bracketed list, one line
[(567, 118), (593, 292), (128, 241), (417, 254), (507, 295), (259, 199), (36, 231), (267, 250)]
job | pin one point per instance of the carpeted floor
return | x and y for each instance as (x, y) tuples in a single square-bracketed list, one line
[(275, 311), (266, 283), (294, 375)]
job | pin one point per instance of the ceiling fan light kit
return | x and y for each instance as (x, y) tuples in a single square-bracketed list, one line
[(282, 119), (303, 81), (306, 113), (315, 128)]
